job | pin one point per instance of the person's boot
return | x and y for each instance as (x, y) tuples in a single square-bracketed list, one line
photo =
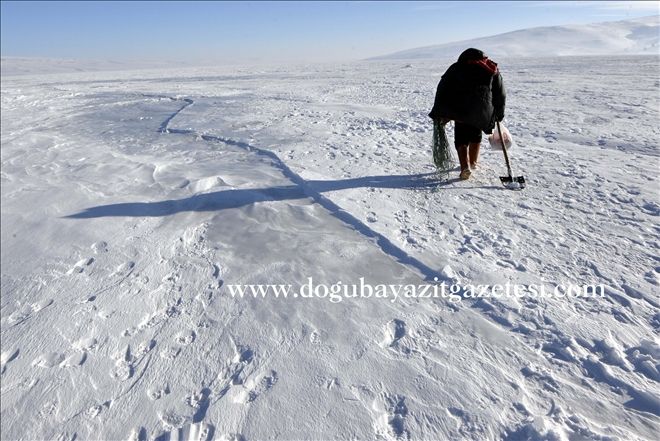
[(474, 154), (462, 151)]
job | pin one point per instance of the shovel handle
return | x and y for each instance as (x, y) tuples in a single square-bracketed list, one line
[(506, 155)]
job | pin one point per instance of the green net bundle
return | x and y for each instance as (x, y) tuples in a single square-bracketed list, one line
[(442, 152)]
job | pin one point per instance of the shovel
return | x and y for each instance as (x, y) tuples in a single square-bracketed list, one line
[(511, 182)]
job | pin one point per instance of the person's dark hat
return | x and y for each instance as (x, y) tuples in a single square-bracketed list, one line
[(471, 54)]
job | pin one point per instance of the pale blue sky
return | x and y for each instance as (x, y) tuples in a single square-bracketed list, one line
[(232, 32)]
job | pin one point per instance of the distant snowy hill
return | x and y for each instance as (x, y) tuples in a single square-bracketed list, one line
[(630, 37), (28, 65)]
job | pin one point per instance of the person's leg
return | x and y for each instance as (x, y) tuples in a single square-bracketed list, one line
[(461, 135), (474, 153), (463, 157)]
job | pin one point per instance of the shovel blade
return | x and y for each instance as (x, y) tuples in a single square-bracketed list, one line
[(513, 182)]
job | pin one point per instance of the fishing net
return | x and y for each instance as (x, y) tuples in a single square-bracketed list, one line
[(443, 157)]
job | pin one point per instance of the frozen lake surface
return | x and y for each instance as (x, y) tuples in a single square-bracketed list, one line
[(131, 201)]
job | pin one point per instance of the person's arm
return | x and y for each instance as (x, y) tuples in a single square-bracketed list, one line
[(499, 97), (443, 95)]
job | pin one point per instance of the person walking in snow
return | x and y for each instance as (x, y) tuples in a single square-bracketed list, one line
[(471, 92)]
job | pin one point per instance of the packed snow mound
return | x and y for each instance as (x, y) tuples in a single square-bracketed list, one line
[(628, 37)]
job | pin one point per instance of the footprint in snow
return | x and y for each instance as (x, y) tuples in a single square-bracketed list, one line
[(152, 320), (69, 359), (79, 356), (86, 344), (231, 437), (172, 422), (255, 387), (7, 357), (233, 373), (170, 352), (394, 331), (96, 410), (125, 268), (48, 410), (158, 393), (80, 266), (138, 434), (124, 366), (388, 412), (191, 432), (48, 360), (74, 360), (27, 311), (100, 247), (67, 436)]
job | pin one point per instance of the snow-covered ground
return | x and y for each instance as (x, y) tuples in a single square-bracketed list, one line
[(130, 203)]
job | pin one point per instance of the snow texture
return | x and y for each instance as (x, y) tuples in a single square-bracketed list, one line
[(130, 202)]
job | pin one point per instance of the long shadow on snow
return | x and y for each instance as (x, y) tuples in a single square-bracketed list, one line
[(236, 198), (301, 188), (220, 200)]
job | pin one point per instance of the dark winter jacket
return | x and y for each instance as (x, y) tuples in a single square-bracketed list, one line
[(471, 91)]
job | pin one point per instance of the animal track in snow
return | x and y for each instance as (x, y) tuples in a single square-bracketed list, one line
[(185, 337)]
